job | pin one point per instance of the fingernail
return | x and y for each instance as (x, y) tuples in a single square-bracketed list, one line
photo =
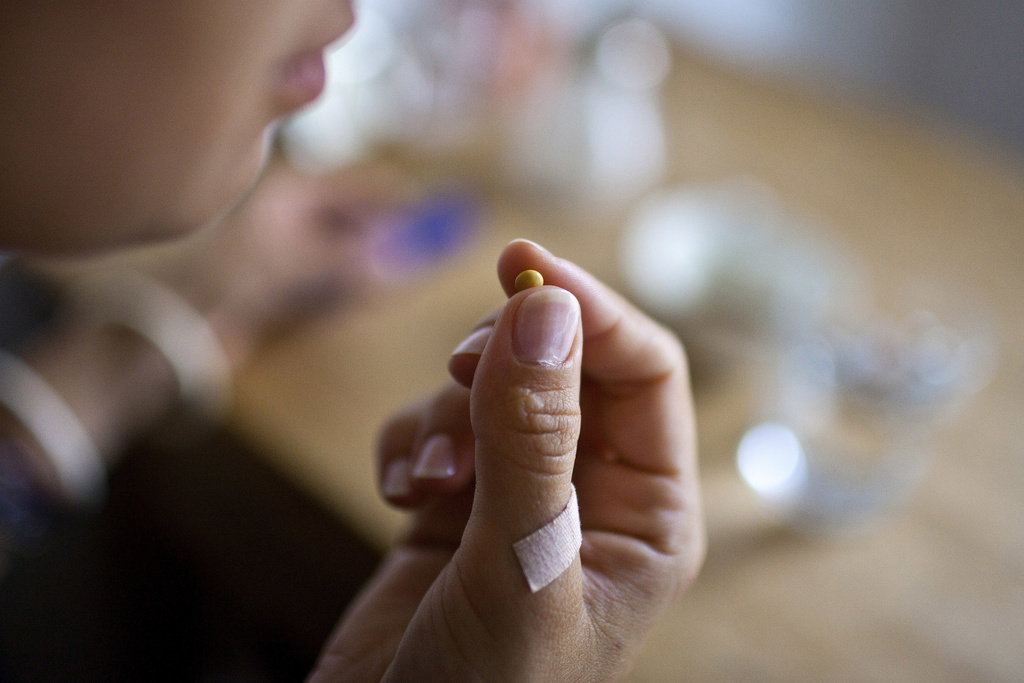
[(545, 326), (523, 239), (475, 342), (396, 480), (437, 459)]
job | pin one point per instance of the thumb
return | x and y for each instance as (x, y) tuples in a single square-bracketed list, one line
[(525, 414)]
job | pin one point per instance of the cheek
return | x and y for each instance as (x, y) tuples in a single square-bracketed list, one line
[(215, 140), (124, 141), (216, 175), (206, 154)]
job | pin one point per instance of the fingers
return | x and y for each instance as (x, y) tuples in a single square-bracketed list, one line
[(464, 359), (639, 414), (427, 450), (525, 417), (637, 366), (623, 345), (550, 355)]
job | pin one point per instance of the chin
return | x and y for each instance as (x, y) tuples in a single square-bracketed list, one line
[(66, 232), (198, 214), (85, 240), (233, 190), (90, 240)]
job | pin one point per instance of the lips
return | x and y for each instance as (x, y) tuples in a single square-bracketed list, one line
[(302, 79)]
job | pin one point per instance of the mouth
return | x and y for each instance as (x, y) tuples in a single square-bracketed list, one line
[(303, 76), (302, 79)]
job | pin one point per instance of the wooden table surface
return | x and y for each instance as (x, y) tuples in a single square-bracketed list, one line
[(934, 593)]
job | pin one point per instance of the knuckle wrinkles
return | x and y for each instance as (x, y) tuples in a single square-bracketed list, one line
[(548, 420)]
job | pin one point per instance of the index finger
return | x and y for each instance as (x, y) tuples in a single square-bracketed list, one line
[(637, 366)]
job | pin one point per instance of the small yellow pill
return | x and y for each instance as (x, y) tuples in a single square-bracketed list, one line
[(527, 279)]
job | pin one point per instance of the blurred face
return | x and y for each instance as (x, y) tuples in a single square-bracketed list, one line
[(130, 120)]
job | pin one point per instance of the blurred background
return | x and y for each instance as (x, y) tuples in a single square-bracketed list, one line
[(824, 199), (961, 60)]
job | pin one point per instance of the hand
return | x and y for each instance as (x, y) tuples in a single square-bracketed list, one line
[(591, 392)]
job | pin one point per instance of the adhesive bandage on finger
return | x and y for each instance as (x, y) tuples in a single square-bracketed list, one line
[(545, 554)]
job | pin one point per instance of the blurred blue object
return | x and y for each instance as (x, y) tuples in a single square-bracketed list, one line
[(432, 230)]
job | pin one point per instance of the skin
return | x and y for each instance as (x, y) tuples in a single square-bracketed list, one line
[(126, 122), (615, 418), (297, 248)]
